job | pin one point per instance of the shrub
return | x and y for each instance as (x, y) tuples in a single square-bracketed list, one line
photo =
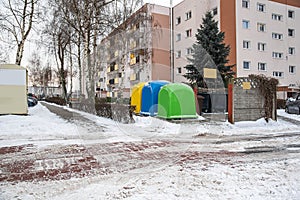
[(281, 103), (56, 100), (267, 87)]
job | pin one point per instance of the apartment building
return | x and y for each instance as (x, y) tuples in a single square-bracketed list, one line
[(262, 34), (136, 51), (187, 17)]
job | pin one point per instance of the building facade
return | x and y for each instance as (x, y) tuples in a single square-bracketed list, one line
[(262, 34), (267, 41), (187, 17), (137, 51)]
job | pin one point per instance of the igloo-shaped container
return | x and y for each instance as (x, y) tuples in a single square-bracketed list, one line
[(136, 97), (150, 97), (176, 101)]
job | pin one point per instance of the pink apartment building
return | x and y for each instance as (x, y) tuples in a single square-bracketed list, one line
[(137, 51)]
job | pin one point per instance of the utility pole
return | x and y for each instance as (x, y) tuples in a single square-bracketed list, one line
[(171, 42)]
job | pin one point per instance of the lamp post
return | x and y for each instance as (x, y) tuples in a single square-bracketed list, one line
[(171, 42)]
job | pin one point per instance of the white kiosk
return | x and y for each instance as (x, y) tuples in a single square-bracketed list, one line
[(13, 89)]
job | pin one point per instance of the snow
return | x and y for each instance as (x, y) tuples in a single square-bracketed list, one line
[(218, 170), (281, 112), (39, 125)]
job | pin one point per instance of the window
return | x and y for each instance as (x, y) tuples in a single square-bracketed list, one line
[(292, 69), (291, 50), (188, 33), (246, 24), (291, 32), (178, 20), (179, 70), (277, 36), (261, 7), (188, 15), (178, 54), (261, 27), (277, 55), (277, 17), (246, 65), (189, 51), (215, 11), (278, 74), (246, 44), (178, 37), (291, 14), (262, 66), (245, 4), (261, 46)]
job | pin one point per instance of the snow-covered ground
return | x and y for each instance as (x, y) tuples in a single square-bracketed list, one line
[(152, 158), (281, 112)]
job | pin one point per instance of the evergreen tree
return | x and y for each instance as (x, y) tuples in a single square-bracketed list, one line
[(209, 51)]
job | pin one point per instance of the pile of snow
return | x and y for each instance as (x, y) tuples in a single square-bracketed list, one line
[(39, 125)]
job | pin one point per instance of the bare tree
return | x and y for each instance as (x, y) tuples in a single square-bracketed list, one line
[(17, 19), (3, 56), (94, 20), (63, 40), (40, 75), (90, 20), (59, 34), (3, 50), (122, 9)]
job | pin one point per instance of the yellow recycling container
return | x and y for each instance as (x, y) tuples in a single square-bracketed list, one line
[(136, 97)]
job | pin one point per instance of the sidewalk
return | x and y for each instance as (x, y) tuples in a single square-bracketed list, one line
[(293, 121), (74, 117)]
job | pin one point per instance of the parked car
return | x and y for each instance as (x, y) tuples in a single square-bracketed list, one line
[(292, 106), (31, 100), (32, 95)]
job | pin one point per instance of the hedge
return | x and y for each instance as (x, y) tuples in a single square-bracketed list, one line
[(121, 112)]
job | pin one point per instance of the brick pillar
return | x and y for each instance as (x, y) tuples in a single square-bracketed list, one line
[(230, 102)]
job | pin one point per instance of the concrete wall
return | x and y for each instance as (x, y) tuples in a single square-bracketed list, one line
[(247, 102)]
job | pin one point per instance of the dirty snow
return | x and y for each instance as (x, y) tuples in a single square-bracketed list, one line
[(209, 160)]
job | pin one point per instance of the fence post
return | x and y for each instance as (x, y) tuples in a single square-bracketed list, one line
[(230, 102), (196, 100)]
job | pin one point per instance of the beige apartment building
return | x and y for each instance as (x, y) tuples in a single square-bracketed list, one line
[(262, 34), (137, 51)]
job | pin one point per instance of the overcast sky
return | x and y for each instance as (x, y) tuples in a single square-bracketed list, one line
[(30, 47), (163, 2)]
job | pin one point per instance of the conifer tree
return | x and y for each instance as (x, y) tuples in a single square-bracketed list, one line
[(209, 51)]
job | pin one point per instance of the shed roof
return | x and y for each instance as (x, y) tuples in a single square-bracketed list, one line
[(11, 66)]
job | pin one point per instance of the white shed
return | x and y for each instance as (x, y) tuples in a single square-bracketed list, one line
[(13, 89)]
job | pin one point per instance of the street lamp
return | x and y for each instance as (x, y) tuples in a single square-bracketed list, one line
[(171, 42)]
